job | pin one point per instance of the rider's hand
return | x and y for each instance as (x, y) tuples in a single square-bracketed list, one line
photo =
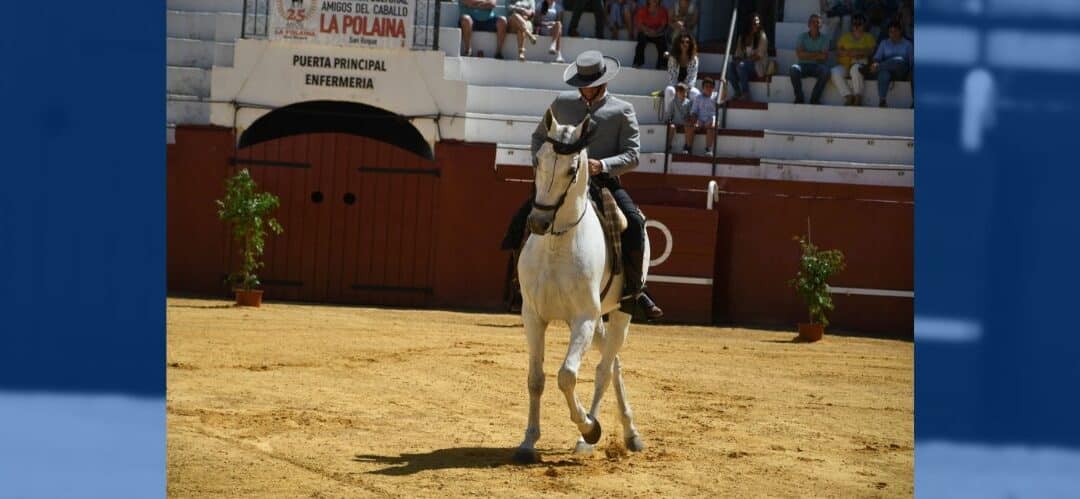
[(594, 167)]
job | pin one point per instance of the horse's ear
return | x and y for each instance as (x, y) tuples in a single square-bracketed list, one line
[(549, 121), (587, 128)]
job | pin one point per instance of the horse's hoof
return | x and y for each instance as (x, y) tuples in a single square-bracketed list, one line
[(583, 449), (634, 444), (593, 436), (526, 456)]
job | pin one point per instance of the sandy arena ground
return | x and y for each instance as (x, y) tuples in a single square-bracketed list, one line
[(320, 401)]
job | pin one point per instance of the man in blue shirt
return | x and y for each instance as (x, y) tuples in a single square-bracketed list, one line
[(812, 49), (893, 60), (479, 15)]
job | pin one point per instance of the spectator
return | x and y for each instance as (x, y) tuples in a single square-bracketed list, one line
[(877, 12), (679, 112), (597, 9), (521, 17), (548, 23), (620, 17), (702, 115), (751, 57), (479, 15), (684, 19), (812, 49), (635, 5), (835, 11), (651, 22), (852, 56), (682, 68), (892, 61)]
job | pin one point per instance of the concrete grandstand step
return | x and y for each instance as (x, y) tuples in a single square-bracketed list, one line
[(197, 53), (858, 148), (187, 81), (895, 175), (825, 119), (899, 95), (512, 73), (208, 5), (186, 110), (189, 52), (517, 154), (533, 102), (193, 25)]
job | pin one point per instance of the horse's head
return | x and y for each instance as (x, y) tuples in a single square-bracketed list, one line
[(562, 170)]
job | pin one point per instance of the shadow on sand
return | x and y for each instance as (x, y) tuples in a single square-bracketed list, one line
[(453, 458)]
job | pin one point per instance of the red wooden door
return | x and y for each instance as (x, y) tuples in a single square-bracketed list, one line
[(357, 215)]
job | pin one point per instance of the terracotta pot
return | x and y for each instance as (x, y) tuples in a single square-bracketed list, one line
[(811, 332), (249, 298)]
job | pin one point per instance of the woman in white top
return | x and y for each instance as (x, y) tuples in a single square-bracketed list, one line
[(751, 57), (682, 68)]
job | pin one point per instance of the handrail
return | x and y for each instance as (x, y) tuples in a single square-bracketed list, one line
[(713, 193), (728, 47)]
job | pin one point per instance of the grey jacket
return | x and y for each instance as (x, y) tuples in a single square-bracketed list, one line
[(616, 143)]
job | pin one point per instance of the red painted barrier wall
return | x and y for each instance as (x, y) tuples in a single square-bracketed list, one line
[(426, 240)]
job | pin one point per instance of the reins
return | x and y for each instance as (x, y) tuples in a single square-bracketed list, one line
[(564, 149)]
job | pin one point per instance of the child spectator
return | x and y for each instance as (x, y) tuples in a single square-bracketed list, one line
[(679, 112), (702, 116)]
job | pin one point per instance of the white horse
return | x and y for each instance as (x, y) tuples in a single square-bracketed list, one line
[(563, 269)]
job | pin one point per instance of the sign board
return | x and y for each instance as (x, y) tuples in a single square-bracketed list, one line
[(353, 23)]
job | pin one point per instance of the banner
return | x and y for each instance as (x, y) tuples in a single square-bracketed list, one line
[(353, 23)]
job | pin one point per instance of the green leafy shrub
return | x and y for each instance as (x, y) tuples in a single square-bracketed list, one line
[(811, 282), (247, 210)]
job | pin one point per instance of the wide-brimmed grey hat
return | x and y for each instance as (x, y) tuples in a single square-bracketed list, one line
[(591, 69)]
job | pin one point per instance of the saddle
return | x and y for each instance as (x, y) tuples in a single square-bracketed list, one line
[(614, 223)]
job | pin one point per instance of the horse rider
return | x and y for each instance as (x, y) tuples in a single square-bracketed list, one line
[(613, 151)]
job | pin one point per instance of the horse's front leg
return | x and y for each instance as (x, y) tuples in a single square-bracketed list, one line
[(535, 328), (581, 333)]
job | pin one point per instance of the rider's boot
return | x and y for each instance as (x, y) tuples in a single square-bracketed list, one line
[(634, 288)]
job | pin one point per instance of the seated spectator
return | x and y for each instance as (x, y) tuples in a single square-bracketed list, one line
[(480, 15), (812, 49), (750, 58), (547, 19), (651, 22), (679, 112), (852, 57), (594, 6), (521, 17), (892, 61), (620, 17), (835, 12), (683, 19), (702, 116), (877, 12), (634, 5), (682, 68)]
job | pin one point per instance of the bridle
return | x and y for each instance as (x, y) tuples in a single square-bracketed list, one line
[(564, 149)]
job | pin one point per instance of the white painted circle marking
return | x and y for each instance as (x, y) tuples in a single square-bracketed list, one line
[(670, 242)]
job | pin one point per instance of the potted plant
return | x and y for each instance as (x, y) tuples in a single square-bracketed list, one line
[(816, 266), (247, 211)]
